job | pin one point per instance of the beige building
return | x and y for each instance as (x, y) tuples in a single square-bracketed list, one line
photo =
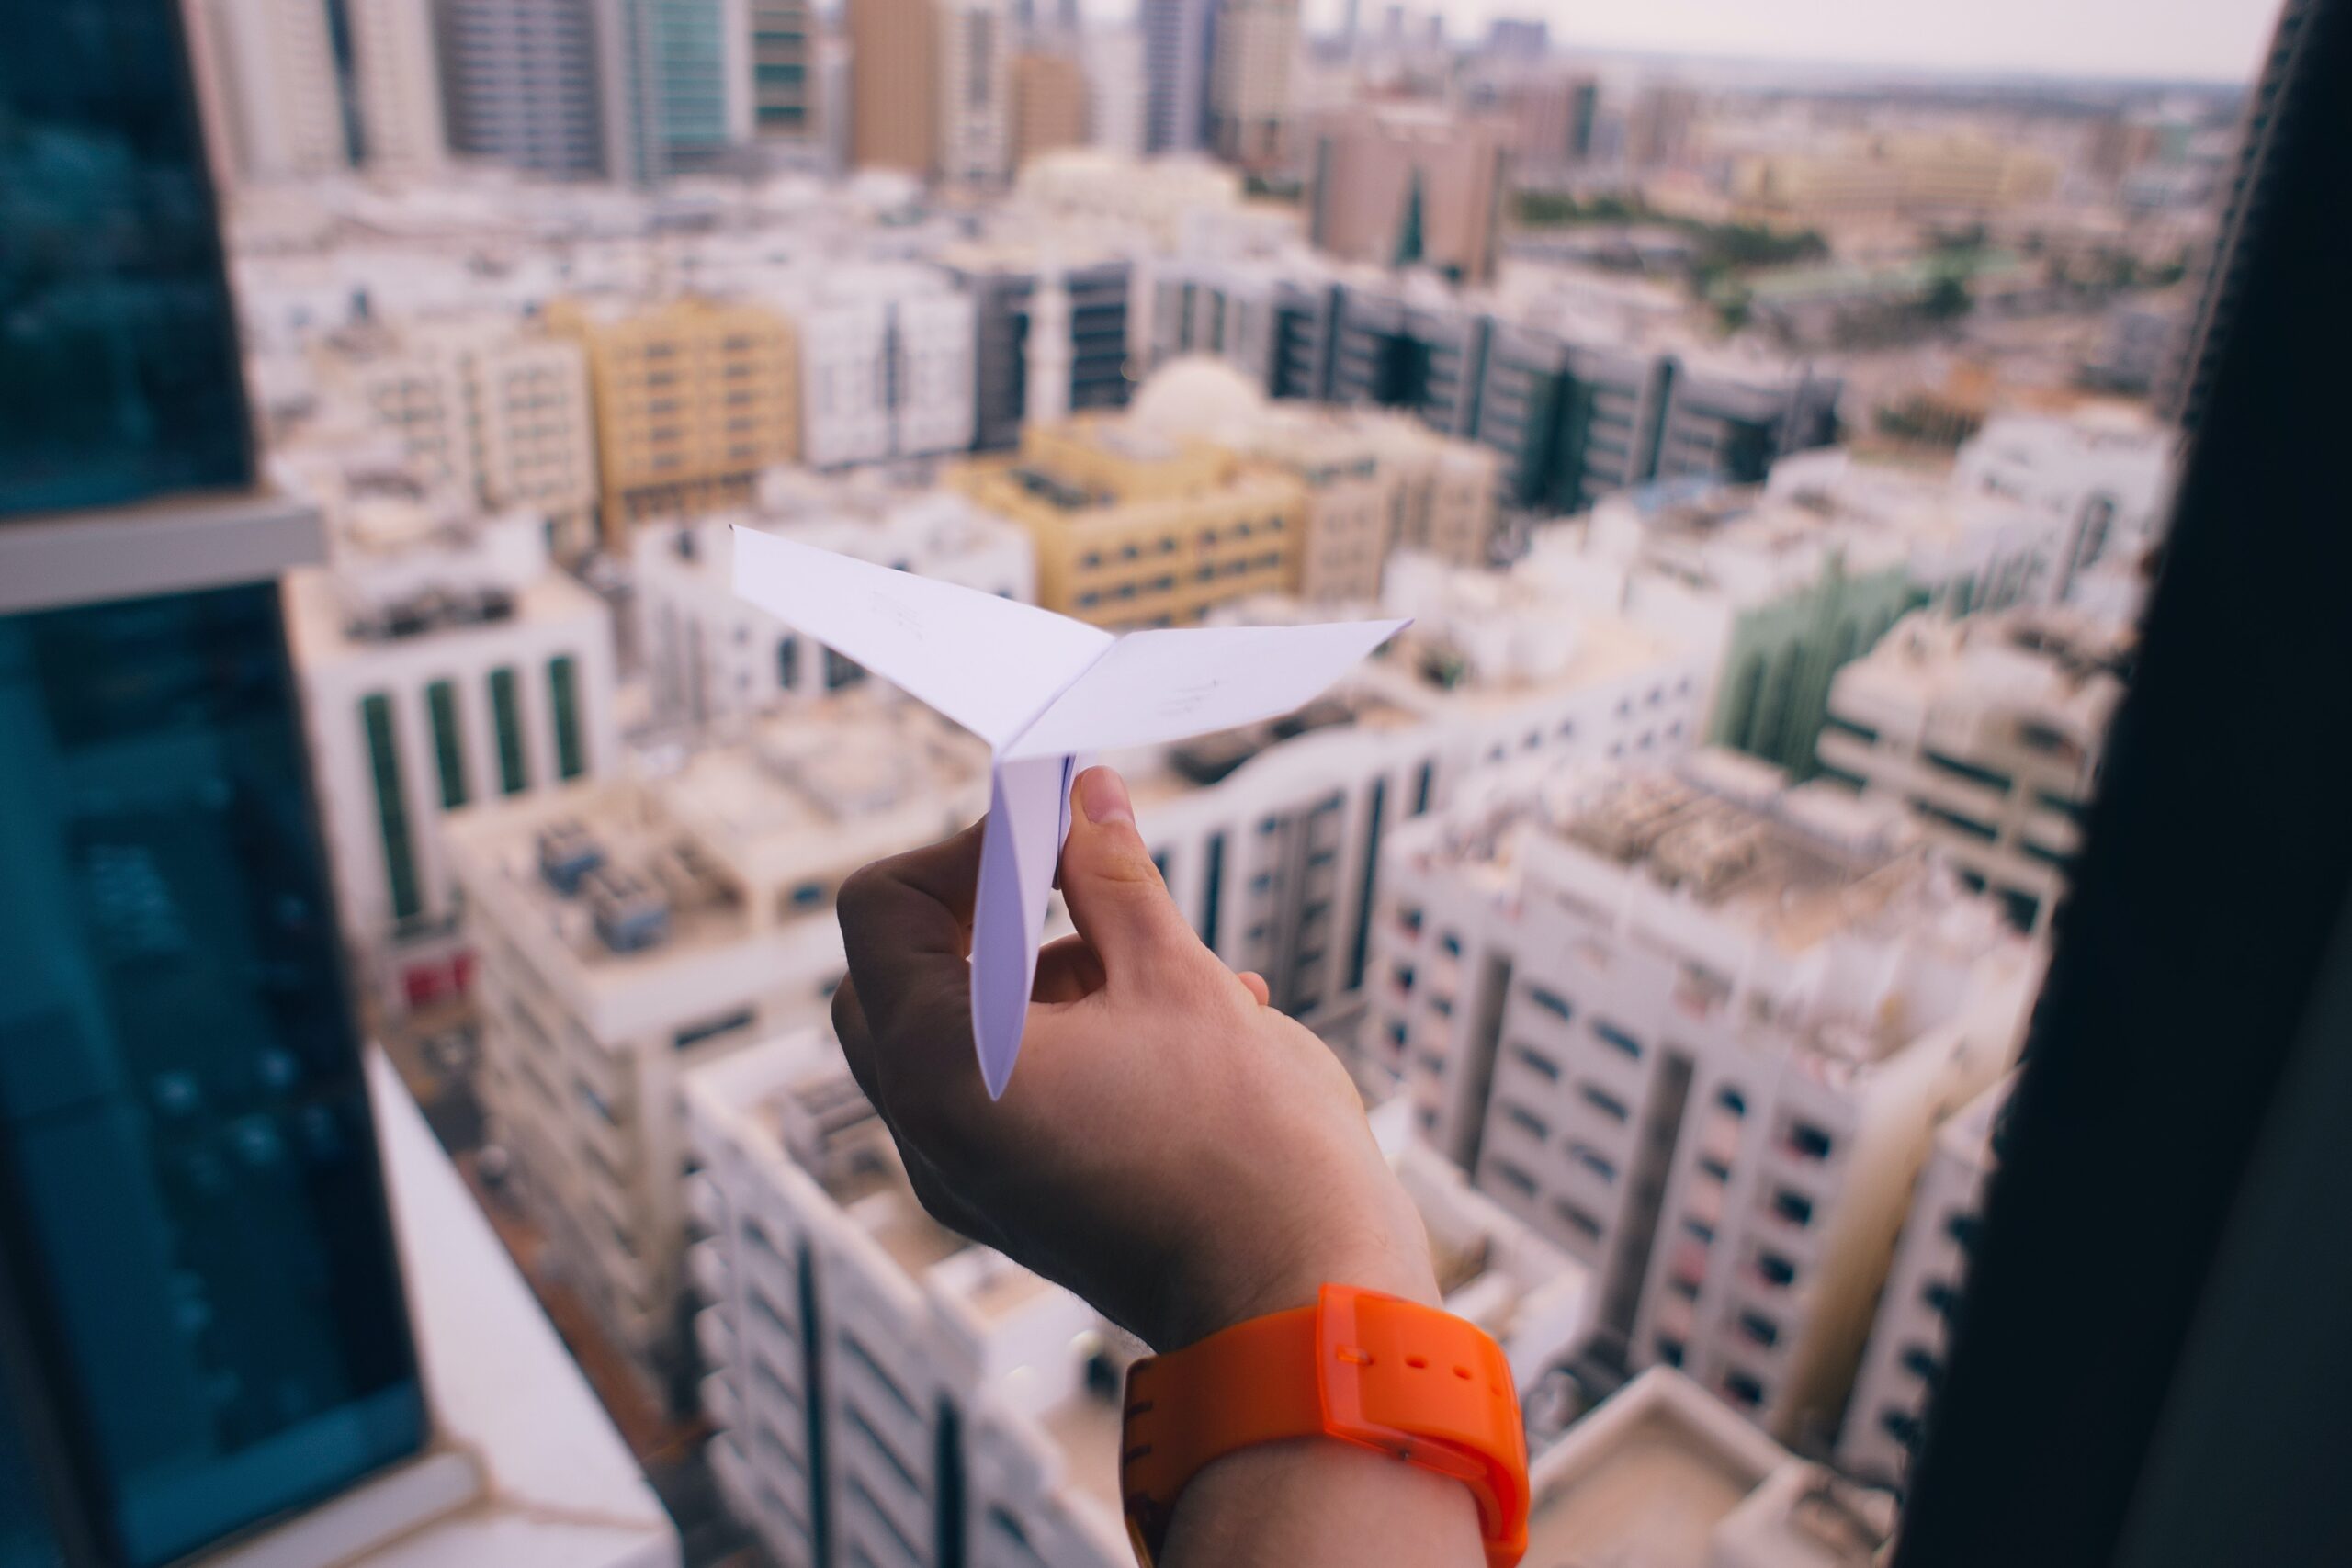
[(1249, 79), (693, 398), (1134, 528), (397, 80), (1048, 106), (893, 92), (1403, 186), (1892, 173)]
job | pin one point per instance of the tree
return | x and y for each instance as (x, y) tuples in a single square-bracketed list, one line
[(1948, 300)]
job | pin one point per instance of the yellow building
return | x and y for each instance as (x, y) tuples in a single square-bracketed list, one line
[(1134, 528), (693, 398), (1894, 171)]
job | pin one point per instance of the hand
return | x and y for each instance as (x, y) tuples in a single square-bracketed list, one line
[(1171, 1148)]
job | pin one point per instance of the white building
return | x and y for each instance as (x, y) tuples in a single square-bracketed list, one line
[(967, 1410), (442, 661), (1905, 1355), (397, 80), (1990, 731), (710, 655), (1254, 53), (1661, 1476), (2102, 476), (1112, 60), (277, 81), (975, 55), (1699, 1028), (1154, 199), (632, 929), (886, 363)]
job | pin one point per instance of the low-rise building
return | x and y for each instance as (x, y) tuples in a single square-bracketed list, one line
[(884, 364), (1904, 1358), (443, 660), (1050, 327), (631, 928), (1699, 1027), (709, 654), (1990, 731), (2102, 476)]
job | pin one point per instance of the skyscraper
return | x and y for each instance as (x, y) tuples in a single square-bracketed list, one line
[(974, 90), (277, 81), (1178, 46), (782, 65), (396, 86), (1256, 49), (520, 77), (1049, 104), (893, 70), (665, 87)]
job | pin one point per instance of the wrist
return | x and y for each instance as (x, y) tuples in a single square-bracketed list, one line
[(1394, 1264)]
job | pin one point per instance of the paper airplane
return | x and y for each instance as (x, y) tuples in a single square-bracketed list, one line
[(1041, 689)]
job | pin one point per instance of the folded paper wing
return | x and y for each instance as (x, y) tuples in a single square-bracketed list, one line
[(1041, 689)]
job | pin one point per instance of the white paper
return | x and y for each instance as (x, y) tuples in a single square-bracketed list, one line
[(1042, 690)]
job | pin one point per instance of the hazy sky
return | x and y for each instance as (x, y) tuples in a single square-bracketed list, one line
[(2217, 40)]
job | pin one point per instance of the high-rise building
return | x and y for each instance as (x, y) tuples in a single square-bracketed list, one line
[(975, 108), (1700, 1028), (1398, 187), (1551, 122), (670, 92), (1658, 127), (1910, 1332), (521, 82), (212, 1324), (782, 62), (1517, 39), (1115, 96), (2269, 113), (693, 398), (1250, 78), (1990, 729), (886, 363), (633, 928), (1178, 52), (894, 70), (281, 84), (396, 77), (1049, 101)]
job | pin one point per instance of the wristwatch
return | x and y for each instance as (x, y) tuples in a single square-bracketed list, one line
[(1385, 1373)]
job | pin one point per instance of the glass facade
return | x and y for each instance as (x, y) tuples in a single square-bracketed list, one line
[(506, 715), (116, 327), (563, 693), (194, 1213)]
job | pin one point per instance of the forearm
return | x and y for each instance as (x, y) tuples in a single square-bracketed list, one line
[(1317, 1502)]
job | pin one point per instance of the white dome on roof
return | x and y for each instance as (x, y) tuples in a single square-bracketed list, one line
[(1197, 395)]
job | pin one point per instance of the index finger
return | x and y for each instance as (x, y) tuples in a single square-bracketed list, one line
[(907, 925)]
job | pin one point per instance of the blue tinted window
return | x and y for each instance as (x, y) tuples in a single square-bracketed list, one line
[(182, 1116)]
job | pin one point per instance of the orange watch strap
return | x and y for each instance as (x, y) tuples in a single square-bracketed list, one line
[(1385, 1373)]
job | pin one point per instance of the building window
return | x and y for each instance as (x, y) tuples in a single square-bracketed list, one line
[(1594, 1161), (1422, 788), (840, 671), (1527, 1122), (1922, 1363), (1940, 1296), (1669, 1351), (1537, 1063), (787, 658), (1359, 945), (506, 718), (1793, 1207), (1808, 1141), (1961, 1228), (1580, 1219), (1760, 1329), (695, 1033), (1609, 1034), (1212, 882), (1776, 1269), (1551, 1002), (391, 810), (1743, 1389), (1959, 768), (1900, 1425), (1512, 1177), (1731, 1100), (1600, 1099), (563, 692), (449, 742)]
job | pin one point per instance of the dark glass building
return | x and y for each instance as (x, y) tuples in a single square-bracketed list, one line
[(201, 1319)]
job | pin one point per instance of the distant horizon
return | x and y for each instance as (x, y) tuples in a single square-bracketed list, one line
[(2190, 43)]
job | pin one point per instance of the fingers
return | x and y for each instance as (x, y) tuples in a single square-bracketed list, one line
[(1255, 984), (907, 927), (1114, 892), (1067, 971)]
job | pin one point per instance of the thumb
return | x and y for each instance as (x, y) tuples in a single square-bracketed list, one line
[(1116, 898)]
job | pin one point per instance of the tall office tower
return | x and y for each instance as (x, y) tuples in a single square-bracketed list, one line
[(1177, 48), (1115, 96), (975, 91), (693, 398), (1005, 283), (1990, 729), (279, 79), (1909, 1334), (205, 1318), (1049, 104), (396, 73), (1551, 122), (1409, 188), (894, 66), (631, 928), (670, 98), (443, 660), (1249, 107), (782, 63), (712, 654), (2270, 118), (521, 83), (886, 363), (487, 413), (888, 1391), (1661, 1475), (1700, 1028), (1513, 39)]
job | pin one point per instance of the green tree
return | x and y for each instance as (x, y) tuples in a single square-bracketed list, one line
[(1948, 300)]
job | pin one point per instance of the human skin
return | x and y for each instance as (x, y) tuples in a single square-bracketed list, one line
[(1171, 1148)]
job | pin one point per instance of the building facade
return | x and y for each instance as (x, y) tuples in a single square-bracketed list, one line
[(1178, 49), (396, 73), (886, 363), (281, 84), (1050, 331), (1398, 188), (666, 70), (521, 83), (894, 77), (976, 103), (782, 61), (1049, 103), (1255, 52)]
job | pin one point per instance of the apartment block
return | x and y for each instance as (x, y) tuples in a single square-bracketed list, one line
[(710, 656), (1990, 731), (396, 86), (1050, 331), (885, 357), (442, 660), (781, 61), (1904, 1358), (1699, 1027), (888, 1392), (1409, 188), (632, 929), (693, 398), (976, 103), (2102, 476), (1254, 51), (1661, 1475), (521, 83)]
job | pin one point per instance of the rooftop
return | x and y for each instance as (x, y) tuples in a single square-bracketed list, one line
[(2049, 675), (1490, 640)]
